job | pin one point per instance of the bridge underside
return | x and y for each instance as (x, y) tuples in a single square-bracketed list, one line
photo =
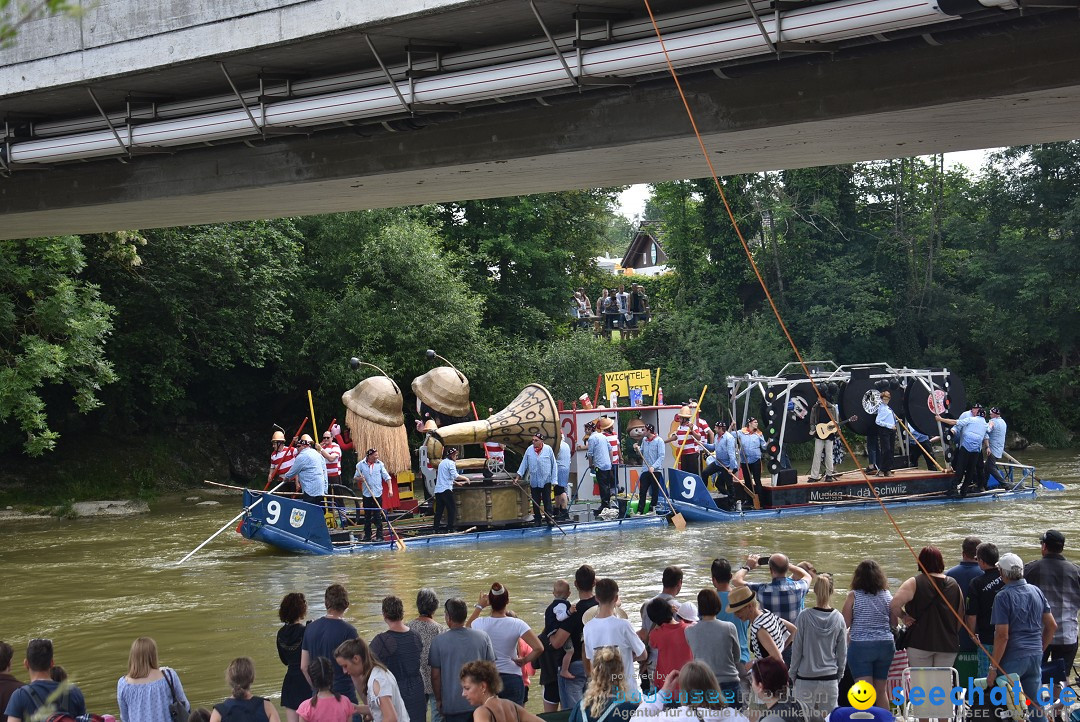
[(983, 87)]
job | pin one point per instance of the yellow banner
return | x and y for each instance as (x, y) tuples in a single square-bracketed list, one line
[(622, 381)]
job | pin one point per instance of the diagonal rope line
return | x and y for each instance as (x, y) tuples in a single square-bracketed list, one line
[(780, 320)]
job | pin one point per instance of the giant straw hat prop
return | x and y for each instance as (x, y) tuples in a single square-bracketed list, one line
[(444, 389), (373, 413)]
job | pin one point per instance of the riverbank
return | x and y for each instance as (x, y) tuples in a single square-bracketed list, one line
[(140, 467)]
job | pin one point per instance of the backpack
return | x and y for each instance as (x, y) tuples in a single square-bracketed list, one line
[(61, 716)]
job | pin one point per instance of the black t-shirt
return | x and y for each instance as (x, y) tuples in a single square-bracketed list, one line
[(575, 625), (321, 638), (980, 602)]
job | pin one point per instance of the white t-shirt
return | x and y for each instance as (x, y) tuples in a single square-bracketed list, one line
[(504, 633), (615, 632), (388, 687)]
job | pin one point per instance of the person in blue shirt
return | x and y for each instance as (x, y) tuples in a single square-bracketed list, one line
[(370, 475), (751, 444), (995, 442), (598, 449), (920, 450), (652, 453), (885, 421), (26, 700), (722, 462), (543, 470), (309, 468), (445, 480), (972, 432)]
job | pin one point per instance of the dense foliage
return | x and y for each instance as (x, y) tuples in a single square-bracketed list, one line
[(901, 261)]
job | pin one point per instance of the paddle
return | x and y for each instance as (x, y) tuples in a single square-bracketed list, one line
[(397, 539), (678, 519), (230, 521), (545, 514), (1051, 485)]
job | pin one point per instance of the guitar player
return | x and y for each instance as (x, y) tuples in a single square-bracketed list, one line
[(819, 415)]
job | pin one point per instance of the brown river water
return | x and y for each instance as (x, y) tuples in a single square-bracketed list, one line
[(94, 585)]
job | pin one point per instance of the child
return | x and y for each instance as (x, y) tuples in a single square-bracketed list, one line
[(243, 705), (333, 707), (558, 611)]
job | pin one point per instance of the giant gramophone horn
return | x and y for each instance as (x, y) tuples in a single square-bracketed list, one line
[(532, 411)]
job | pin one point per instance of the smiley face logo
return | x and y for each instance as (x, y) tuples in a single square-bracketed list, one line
[(862, 695)]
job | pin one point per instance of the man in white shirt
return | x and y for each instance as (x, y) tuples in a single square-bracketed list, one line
[(607, 629)]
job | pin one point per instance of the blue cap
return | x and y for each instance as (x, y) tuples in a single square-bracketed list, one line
[(850, 714)]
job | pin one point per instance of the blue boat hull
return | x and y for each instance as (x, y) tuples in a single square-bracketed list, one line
[(295, 526), (691, 498)]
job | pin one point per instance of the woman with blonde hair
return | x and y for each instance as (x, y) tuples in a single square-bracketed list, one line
[(819, 653), (243, 706), (606, 696), (480, 686), (690, 694), (382, 700), (145, 693)]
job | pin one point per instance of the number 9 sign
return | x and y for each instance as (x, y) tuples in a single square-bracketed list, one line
[(273, 511), (689, 484)]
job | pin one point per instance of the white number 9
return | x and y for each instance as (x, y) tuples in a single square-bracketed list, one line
[(689, 487), (274, 509)]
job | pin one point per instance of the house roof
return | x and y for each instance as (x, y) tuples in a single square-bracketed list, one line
[(644, 251)]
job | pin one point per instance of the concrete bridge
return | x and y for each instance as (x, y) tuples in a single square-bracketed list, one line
[(138, 115)]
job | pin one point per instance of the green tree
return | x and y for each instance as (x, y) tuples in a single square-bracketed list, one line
[(377, 285), (201, 319), (524, 256), (53, 326)]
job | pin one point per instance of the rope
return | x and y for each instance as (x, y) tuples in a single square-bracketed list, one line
[(776, 310)]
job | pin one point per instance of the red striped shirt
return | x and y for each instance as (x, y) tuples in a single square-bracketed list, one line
[(494, 450), (683, 432), (333, 468), (284, 458), (613, 439)]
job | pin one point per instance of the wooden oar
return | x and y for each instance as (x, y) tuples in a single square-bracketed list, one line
[(397, 538), (229, 523), (545, 514), (928, 454), (1051, 485)]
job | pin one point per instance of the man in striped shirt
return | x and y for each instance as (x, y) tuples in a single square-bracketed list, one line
[(683, 438), (607, 428), (331, 452), (281, 457)]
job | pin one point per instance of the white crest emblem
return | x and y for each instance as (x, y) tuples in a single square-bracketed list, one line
[(296, 519), (870, 401)]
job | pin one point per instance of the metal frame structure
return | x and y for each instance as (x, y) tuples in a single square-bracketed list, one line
[(742, 388)]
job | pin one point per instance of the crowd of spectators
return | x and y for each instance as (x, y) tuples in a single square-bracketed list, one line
[(738, 649)]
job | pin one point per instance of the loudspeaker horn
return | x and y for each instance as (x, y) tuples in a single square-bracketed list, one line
[(533, 411)]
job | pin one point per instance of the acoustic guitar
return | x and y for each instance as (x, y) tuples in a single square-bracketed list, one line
[(824, 431)]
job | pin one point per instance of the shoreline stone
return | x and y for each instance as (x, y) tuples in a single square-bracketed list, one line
[(110, 508)]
